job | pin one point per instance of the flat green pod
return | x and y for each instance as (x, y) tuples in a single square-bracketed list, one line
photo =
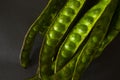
[(113, 31), (55, 35), (86, 56), (79, 33), (67, 71), (41, 25)]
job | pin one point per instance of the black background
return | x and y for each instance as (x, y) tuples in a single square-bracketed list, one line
[(15, 18)]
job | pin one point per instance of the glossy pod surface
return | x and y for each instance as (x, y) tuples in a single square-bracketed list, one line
[(75, 33), (96, 37), (67, 71), (79, 33), (40, 25), (55, 34), (113, 31)]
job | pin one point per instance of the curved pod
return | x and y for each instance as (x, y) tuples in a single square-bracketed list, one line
[(55, 34), (40, 25), (79, 33), (96, 38)]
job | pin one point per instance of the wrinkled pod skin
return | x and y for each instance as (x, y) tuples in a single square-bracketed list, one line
[(85, 42)]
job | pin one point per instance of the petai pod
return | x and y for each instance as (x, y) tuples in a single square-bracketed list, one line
[(41, 25), (55, 34), (79, 33), (113, 31), (95, 39), (67, 71)]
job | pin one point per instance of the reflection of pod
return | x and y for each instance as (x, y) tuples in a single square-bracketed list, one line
[(79, 33), (41, 25), (55, 34)]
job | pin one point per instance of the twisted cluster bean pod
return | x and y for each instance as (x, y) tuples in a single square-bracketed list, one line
[(69, 46)]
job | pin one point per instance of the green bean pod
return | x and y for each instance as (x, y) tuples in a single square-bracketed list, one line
[(79, 33), (40, 25), (67, 71), (55, 35), (86, 56), (112, 33)]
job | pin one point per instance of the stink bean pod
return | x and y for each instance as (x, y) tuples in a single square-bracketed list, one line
[(113, 31), (67, 71), (79, 33), (68, 50), (40, 25), (96, 38), (55, 34)]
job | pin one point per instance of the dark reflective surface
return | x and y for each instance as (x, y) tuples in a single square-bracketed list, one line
[(15, 18)]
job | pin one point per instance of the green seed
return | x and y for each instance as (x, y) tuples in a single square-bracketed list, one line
[(95, 12), (70, 45), (75, 37), (50, 42), (85, 59), (54, 34), (69, 11), (59, 27), (64, 19), (95, 39), (82, 29), (65, 53), (89, 19), (74, 4)]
